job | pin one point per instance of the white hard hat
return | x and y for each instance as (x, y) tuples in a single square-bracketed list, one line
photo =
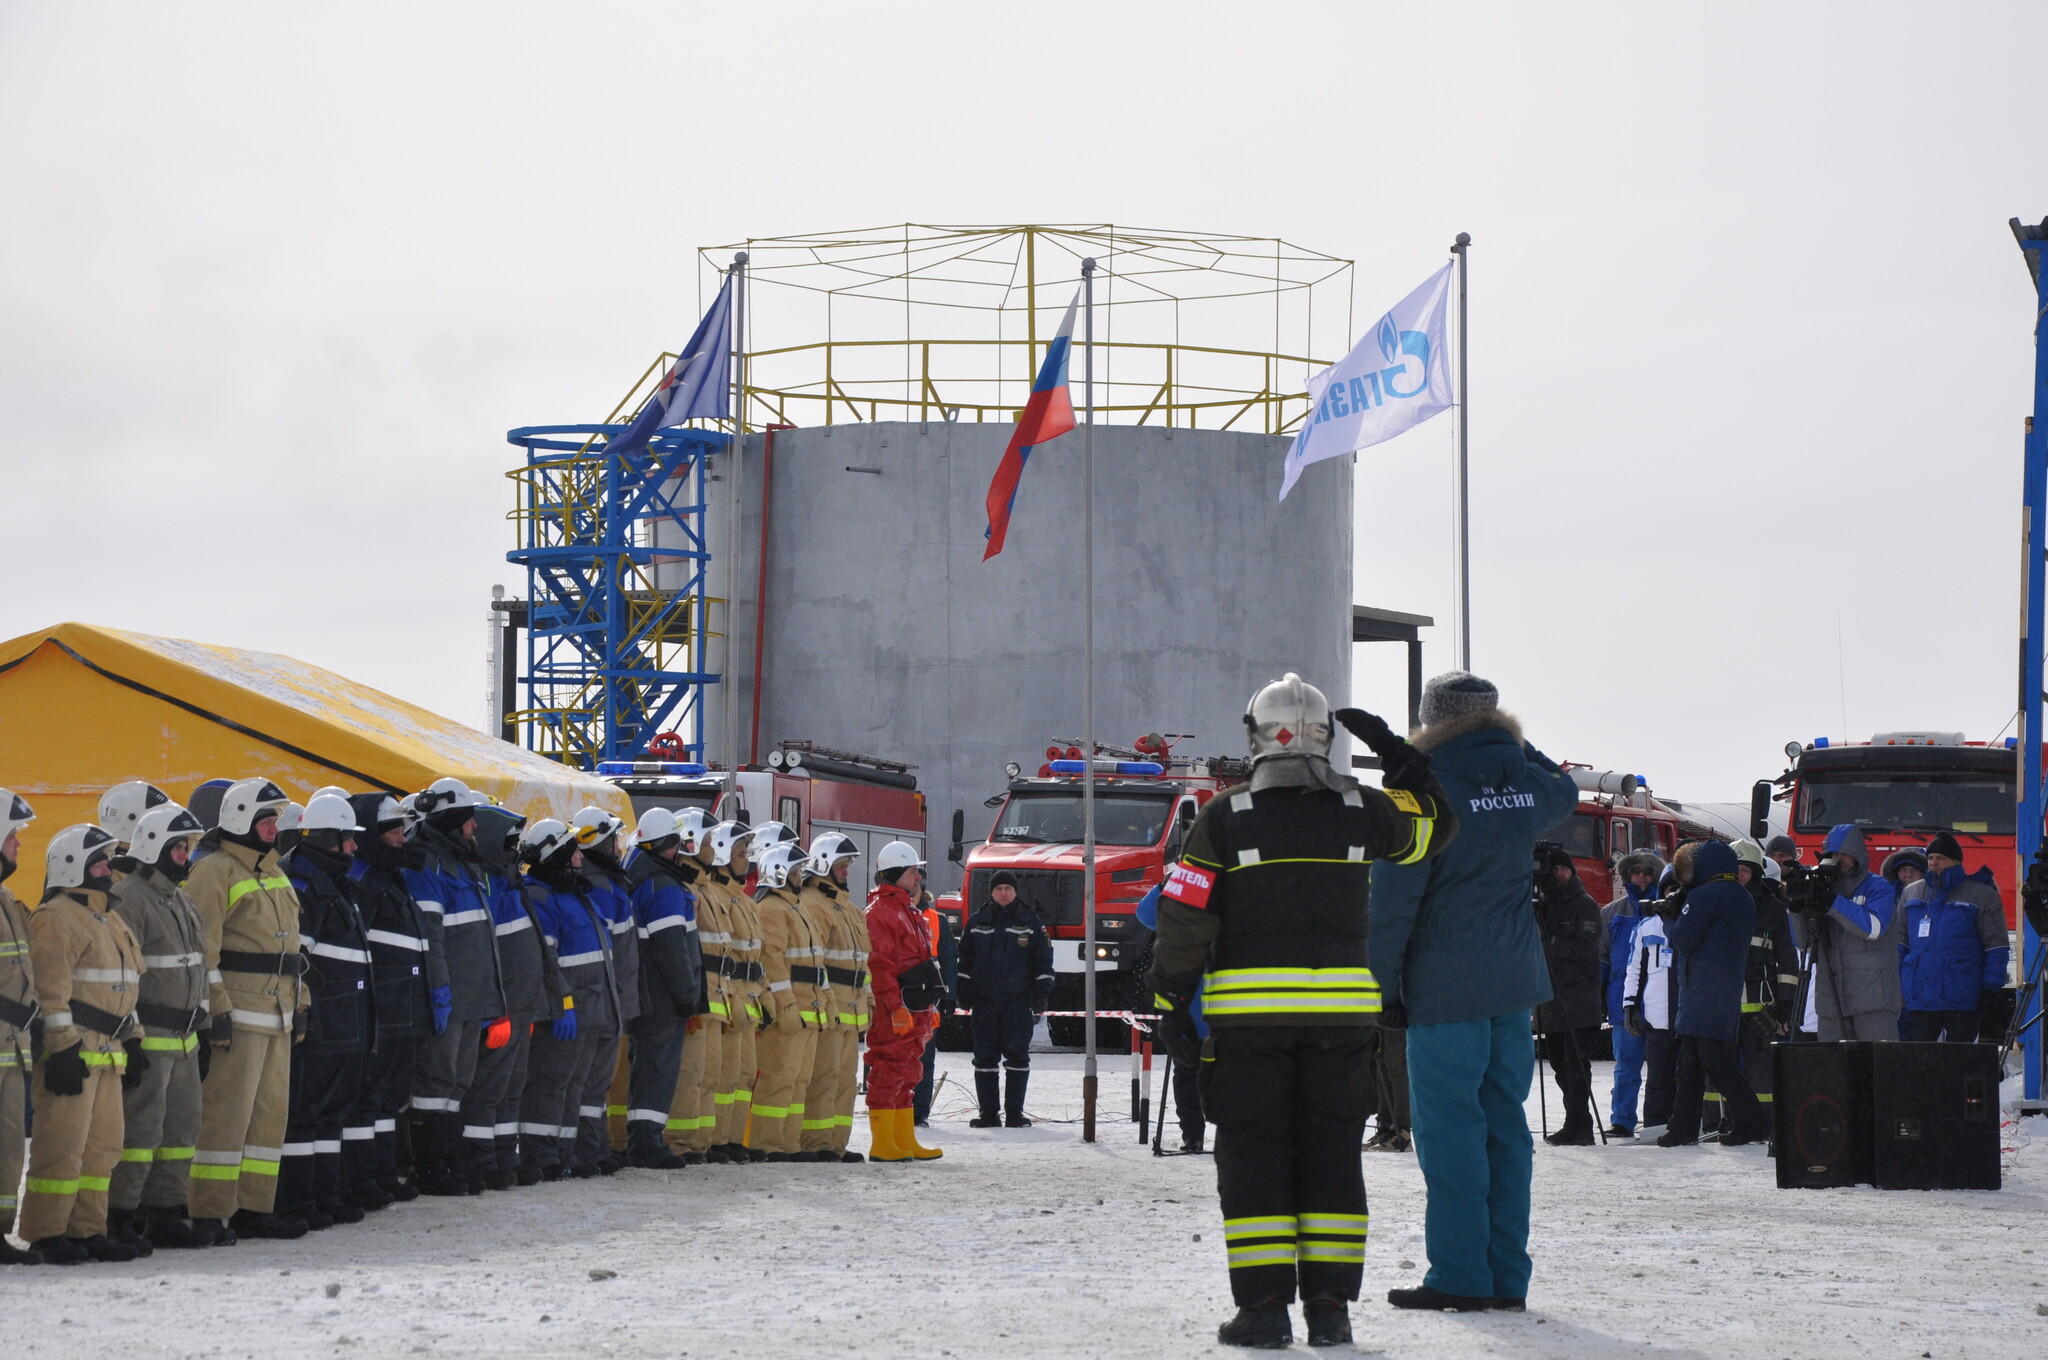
[(656, 824), (897, 855), (123, 803), (388, 810), (160, 828), (337, 790), (828, 849), (443, 794), (246, 802), (290, 817), (72, 851), (779, 863), (15, 813), (545, 839), (594, 826), (328, 812)]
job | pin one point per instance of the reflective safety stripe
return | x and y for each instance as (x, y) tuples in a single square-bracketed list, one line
[(258, 1020), (138, 1155), (121, 976), (1752, 1005), (1247, 858), (161, 1045), (428, 904), (174, 1154), (665, 922), (614, 1109), (647, 1116), (43, 1187), (358, 1133), (778, 986), (464, 918), (172, 960), (1425, 827), (513, 927), (772, 1111), (335, 951), (571, 960), (590, 1111), (478, 1133), (396, 941), (238, 891), (542, 1130), (252, 1167), (387, 1126), (1334, 1237), (1356, 854), (326, 1147), (202, 1170), (813, 1125), (1282, 991), (1325, 1250), (1260, 1241), (1240, 802), (117, 1058), (57, 1020)]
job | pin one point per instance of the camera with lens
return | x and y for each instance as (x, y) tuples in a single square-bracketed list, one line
[(1812, 889)]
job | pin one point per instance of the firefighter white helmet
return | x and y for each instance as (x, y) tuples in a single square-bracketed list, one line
[(594, 826), (328, 812), (248, 801), (723, 840), (1289, 717), (123, 803), (544, 840), (780, 863), (290, 817), (897, 855), (73, 851), (158, 829), (15, 813), (771, 833), (1749, 852), (828, 848), (691, 824), (442, 795)]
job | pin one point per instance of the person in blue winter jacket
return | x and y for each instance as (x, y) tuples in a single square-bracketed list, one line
[(1955, 949), (1454, 945), (1005, 976), (1637, 872), (1185, 1066), (1710, 959)]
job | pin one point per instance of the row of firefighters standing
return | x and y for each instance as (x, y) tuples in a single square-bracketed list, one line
[(248, 1018)]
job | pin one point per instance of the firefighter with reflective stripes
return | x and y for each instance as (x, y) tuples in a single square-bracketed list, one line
[(341, 1029), (792, 958), (406, 971), (256, 1000), (161, 1103), (746, 991), (841, 928), (597, 832), (17, 1009), (693, 1115), (581, 938), (1771, 983), (450, 888), (671, 983), (1267, 914), (87, 969), (533, 994)]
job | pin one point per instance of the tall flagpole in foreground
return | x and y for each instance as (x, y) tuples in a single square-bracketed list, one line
[(730, 679), (1088, 692), (1462, 249)]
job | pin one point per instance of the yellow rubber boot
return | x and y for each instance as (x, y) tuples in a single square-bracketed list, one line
[(906, 1136), (883, 1144)]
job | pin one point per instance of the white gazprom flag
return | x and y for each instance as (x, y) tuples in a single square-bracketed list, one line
[(1397, 377)]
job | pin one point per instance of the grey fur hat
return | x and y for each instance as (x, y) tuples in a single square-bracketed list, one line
[(1456, 693)]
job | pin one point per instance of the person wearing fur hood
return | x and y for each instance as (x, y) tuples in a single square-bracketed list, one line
[(1454, 942)]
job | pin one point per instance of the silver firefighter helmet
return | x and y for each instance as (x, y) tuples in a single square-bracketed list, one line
[(1289, 717)]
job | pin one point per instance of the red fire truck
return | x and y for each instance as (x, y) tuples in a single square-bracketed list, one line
[(806, 787), (1145, 801), (1617, 814), (1901, 788)]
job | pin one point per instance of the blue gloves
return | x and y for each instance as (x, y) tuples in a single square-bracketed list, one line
[(564, 1028), (443, 1002)]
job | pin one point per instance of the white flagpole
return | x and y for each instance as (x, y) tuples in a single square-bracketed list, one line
[(1088, 693), (1462, 249), (730, 679)]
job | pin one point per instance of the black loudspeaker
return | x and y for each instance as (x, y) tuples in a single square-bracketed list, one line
[(1936, 1108), (1821, 1105)]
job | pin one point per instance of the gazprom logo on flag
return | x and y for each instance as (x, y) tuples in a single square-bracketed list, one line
[(1389, 383)]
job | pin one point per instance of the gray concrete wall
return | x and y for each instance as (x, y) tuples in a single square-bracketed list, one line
[(886, 632)]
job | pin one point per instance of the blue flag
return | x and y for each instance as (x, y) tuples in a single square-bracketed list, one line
[(699, 383)]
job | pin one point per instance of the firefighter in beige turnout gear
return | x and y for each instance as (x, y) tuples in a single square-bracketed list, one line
[(835, 1076), (747, 997), (692, 1113), (161, 1103), (87, 967), (792, 960), (17, 1008), (253, 964)]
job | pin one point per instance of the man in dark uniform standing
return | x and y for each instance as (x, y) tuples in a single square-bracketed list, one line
[(1266, 913)]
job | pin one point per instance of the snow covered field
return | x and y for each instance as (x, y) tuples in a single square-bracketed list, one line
[(1030, 1243)]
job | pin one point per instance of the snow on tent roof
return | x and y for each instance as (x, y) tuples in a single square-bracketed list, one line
[(83, 708)]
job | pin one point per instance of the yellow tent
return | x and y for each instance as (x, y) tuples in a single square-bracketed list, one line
[(83, 708)]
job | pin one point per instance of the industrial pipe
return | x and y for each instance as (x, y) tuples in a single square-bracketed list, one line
[(1605, 781)]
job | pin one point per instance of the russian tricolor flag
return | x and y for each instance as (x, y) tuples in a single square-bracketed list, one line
[(1047, 415)]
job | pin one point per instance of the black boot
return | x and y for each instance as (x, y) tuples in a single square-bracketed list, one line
[(16, 1256), (170, 1228), (217, 1230), (248, 1223), (1435, 1300), (125, 1225), (1329, 1322), (60, 1251), (1577, 1132), (100, 1247), (1014, 1082), (437, 1154), (1262, 1326), (985, 1091)]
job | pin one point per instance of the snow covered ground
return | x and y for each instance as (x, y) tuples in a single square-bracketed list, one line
[(1031, 1243)]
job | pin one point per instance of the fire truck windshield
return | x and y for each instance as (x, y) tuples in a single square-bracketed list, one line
[(1915, 802), (1054, 816)]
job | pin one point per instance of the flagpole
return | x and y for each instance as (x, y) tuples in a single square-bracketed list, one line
[(1088, 694), (731, 677), (1462, 249)]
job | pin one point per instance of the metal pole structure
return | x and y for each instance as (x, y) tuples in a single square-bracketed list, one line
[(1088, 694), (1462, 249), (729, 680), (2033, 240)]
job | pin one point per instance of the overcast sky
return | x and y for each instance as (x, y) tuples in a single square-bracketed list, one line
[(1751, 340)]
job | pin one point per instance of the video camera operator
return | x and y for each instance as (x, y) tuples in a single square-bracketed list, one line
[(1848, 920), (1569, 921)]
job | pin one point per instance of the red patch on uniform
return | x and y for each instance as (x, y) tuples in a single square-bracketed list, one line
[(1189, 886), (1283, 736)]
